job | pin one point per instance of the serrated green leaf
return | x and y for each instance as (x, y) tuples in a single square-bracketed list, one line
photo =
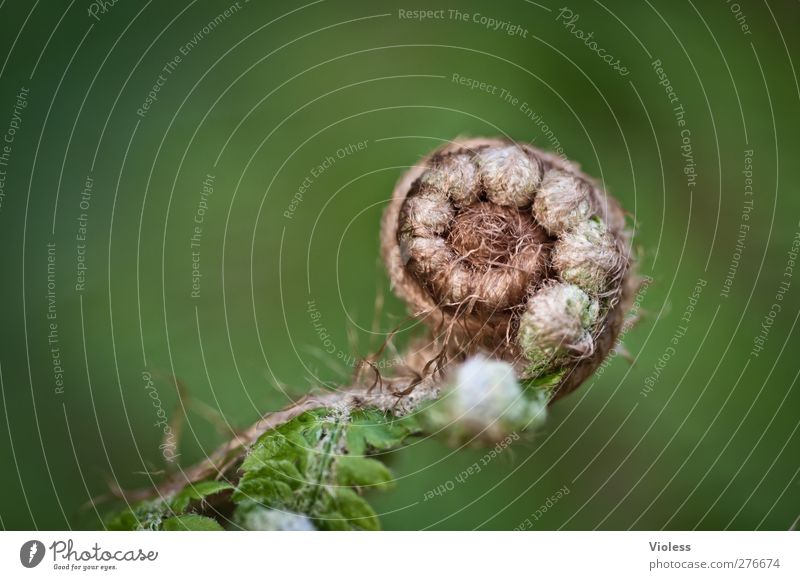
[(145, 515), (264, 450), (385, 436), (411, 423), (295, 468), (355, 509), (272, 483), (546, 382), (362, 472), (192, 523), (264, 489), (124, 521), (309, 426), (196, 492), (333, 522), (373, 430), (287, 470), (290, 441), (281, 469)]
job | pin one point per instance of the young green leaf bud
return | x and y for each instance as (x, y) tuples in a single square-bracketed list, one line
[(587, 256), (556, 327), (510, 176), (456, 177), (563, 201), (485, 401)]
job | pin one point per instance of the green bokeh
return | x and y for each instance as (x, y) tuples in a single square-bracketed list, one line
[(270, 93)]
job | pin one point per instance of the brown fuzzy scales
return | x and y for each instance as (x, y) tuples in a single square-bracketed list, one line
[(469, 237)]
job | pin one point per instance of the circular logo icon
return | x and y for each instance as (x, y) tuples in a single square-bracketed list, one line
[(31, 553)]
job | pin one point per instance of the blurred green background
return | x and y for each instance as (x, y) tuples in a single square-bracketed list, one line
[(700, 435)]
